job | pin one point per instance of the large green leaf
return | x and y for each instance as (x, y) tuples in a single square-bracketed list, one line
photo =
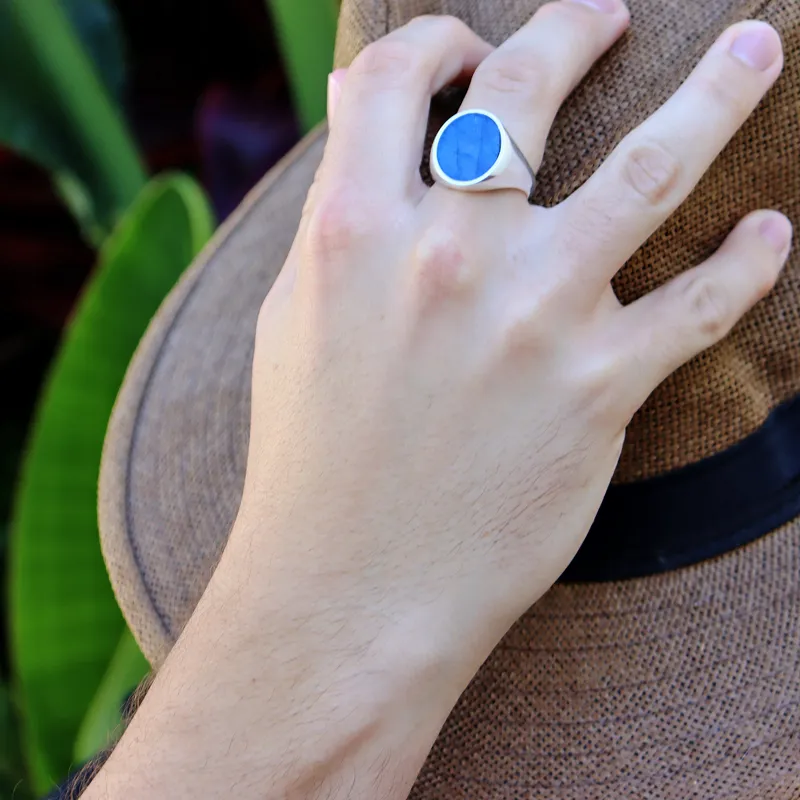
[(98, 28), (23, 359), (306, 33), (65, 624), (60, 65)]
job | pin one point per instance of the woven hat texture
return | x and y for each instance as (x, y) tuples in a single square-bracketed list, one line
[(682, 685)]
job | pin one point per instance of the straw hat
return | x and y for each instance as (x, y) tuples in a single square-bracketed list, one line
[(666, 664)]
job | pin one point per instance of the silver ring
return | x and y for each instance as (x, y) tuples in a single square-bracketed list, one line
[(473, 152)]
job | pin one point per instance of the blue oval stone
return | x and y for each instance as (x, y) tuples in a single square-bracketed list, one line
[(468, 147)]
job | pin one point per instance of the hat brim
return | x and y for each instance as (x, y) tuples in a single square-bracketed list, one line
[(681, 685), (192, 371)]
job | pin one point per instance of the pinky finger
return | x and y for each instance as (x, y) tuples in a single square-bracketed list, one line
[(666, 328)]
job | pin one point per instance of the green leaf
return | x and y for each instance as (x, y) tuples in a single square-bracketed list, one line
[(307, 33), (65, 623), (98, 28), (104, 717), (55, 106)]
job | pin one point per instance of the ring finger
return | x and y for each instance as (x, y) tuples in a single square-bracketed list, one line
[(526, 80)]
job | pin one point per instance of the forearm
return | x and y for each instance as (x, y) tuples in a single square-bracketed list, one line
[(297, 704)]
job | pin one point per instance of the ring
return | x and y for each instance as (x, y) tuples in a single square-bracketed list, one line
[(473, 152)]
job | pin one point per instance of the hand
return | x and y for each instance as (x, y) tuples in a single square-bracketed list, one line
[(442, 381), (441, 387)]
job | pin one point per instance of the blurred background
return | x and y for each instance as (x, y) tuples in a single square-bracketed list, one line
[(129, 129)]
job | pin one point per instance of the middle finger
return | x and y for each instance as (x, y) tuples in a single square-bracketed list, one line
[(526, 80)]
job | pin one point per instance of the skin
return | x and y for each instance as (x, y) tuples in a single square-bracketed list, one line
[(441, 387)]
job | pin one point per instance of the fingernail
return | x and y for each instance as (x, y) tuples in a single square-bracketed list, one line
[(776, 231), (606, 6), (334, 91), (758, 46)]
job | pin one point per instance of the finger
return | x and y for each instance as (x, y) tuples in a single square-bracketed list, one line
[(655, 167), (669, 326), (526, 80), (382, 113)]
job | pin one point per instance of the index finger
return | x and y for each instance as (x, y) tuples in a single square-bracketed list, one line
[(382, 113)]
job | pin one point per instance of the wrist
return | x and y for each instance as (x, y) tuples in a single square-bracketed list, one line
[(293, 695), (364, 686), (397, 661)]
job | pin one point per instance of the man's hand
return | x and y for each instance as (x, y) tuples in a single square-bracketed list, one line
[(441, 388)]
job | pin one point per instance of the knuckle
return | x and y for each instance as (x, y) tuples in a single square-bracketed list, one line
[(389, 61), (516, 72), (451, 29), (442, 266), (652, 172), (526, 331), (709, 306), (442, 24), (592, 228), (337, 223), (599, 395), (535, 316)]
